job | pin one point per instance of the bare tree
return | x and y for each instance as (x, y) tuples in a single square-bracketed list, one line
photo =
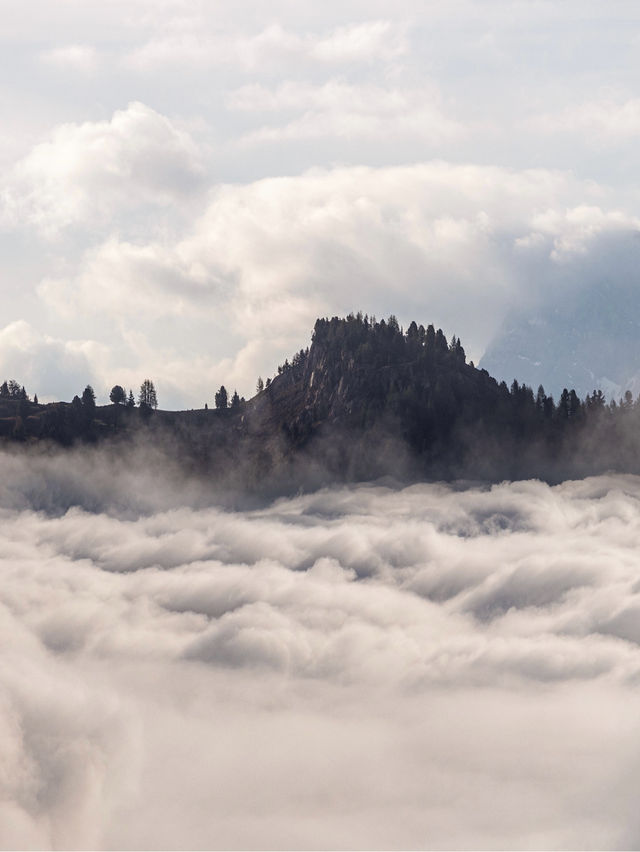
[(147, 396)]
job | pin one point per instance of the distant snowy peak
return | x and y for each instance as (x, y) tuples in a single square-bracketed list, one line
[(586, 339)]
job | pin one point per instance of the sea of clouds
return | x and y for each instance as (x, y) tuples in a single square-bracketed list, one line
[(432, 666)]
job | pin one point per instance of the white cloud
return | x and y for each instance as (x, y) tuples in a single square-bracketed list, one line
[(86, 173), (454, 245), (417, 655), (277, 93), (76, 57), (200, 46), (575, 229), (47, 366), (133, 282), (338, 109), (609, 121), (369, 41), (184, 49)]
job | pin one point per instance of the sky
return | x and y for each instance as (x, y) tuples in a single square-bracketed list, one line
[(358, 668), (185, 186)]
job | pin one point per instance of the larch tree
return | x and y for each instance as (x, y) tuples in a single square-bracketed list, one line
[(147, 396)]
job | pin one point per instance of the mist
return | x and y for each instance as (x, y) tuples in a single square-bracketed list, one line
[(431, 666)]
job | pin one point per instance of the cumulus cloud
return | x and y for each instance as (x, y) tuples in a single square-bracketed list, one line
[(47, 365), (455, 245), (575, 231), (85, 173), (127, 280), (364, 667)]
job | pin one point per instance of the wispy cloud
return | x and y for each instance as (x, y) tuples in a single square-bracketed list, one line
[(605, 121), (275, 45)]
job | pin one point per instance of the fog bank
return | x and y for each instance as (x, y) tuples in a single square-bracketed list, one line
[(370, 667)]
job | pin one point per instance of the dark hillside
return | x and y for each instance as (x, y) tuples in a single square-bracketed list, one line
[(366, 399)]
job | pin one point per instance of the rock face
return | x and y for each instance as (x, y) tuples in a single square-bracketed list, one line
[(367, 399), (589, 339)]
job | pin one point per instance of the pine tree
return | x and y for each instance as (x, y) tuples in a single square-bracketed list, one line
[(430, 339), (88, 406), (575, 405), (563, 405), (89, 398), (221, 398)]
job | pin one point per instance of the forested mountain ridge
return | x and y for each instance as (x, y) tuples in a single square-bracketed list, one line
[(366, 399), (370, 387)]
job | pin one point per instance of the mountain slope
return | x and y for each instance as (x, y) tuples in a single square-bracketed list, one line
[(584, 339), (365, 400)]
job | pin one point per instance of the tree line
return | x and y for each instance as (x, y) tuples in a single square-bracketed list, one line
[(10, 389), (364, 374)]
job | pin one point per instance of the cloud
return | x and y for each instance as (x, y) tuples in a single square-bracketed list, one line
[(127, 280), (150, 634), (196, 44), (575, 231), (443, 243), (45, 365), (86, 173), (603, 122), (338, 109), (244, 117), (75, 57), (368, 41), (266, 258)]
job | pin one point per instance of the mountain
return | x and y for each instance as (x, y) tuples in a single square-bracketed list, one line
[(583, 339), (365, 400)]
